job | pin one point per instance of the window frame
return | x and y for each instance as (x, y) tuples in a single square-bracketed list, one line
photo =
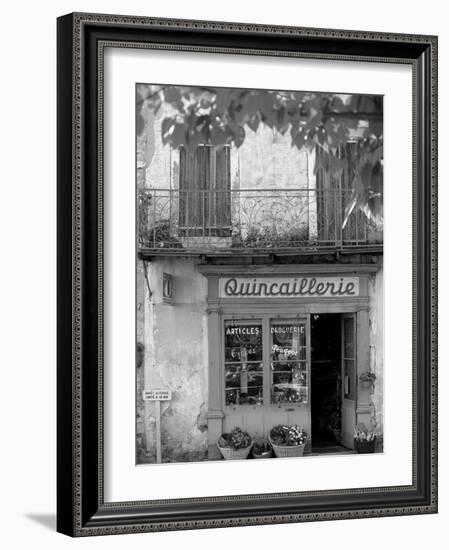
[(202, 207), (242, 321), (264, 318), (299, 319)]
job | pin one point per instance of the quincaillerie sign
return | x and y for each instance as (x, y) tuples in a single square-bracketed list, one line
[(288, 287)]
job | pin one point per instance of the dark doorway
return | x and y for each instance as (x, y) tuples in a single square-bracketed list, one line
[(326, 381)]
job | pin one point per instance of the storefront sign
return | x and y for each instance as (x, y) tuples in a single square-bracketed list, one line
[(288, 287)]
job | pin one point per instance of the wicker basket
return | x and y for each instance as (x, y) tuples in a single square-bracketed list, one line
[(228, 453), (283, 451), (363, 447)]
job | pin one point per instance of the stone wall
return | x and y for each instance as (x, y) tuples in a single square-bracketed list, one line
[(174, 337), (376, 314), (175, 355)]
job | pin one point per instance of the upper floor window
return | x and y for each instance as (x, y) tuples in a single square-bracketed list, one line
[(204, 191), (333, 196)]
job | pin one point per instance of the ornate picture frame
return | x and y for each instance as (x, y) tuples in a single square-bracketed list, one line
[(81, 508)]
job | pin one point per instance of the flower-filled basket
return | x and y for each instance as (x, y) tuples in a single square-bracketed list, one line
[(364, 441), (235, 445), (288, 441)]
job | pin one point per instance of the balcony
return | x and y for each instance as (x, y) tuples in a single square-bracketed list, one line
[(251, 221)]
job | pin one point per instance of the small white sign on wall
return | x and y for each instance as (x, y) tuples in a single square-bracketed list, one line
[(157, 395)]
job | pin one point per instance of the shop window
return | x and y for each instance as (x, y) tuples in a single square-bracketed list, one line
[(277, 376), (243, 363), (288, 362), (205, 191)]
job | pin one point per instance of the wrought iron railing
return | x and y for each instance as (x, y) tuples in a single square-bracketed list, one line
[(208, 220)]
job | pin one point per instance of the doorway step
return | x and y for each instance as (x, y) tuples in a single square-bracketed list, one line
[(332, 450)]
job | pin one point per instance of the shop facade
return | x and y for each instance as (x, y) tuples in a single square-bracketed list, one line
[(260, 353), (259, 300), (259, 345)]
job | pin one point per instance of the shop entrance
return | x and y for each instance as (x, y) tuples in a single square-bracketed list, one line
[(326, 382), (286, 369), (266, 360)]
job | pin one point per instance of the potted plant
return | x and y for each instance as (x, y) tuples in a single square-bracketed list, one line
[(335, 425), (288, 441), (364, 440), (262, 448), (367, 379), (235, 445), (332, 416)]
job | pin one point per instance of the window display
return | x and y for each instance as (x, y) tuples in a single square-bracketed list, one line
[(283, 369), (288, 362), (243, 363)]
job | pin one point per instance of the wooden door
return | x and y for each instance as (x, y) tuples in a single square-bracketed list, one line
[(349, 378)]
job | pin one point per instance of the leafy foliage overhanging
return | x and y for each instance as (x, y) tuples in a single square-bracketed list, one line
[(315, 120)]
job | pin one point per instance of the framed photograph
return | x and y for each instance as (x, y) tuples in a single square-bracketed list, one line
[(247, 257)]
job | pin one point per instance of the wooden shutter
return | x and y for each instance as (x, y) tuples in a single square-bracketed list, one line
[(222, 207), (328, 202), (205, 191), (194, 185), (354, 230), (333, 196)]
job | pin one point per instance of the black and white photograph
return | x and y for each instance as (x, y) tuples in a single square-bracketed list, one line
[(259, 273), (222, 289)]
